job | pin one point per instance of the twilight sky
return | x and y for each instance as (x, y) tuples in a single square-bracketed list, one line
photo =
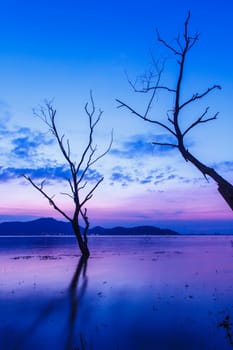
[(61, 50)]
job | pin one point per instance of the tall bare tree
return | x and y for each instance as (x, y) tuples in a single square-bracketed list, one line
[(151, 84), (78, 170)]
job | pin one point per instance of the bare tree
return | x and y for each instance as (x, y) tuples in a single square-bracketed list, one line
[(77, 181), (151, 84)]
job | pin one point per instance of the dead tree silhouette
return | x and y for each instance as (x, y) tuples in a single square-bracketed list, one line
[(152, 85), (78, 170)]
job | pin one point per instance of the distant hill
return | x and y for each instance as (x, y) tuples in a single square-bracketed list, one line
[(134, 231), (43, 226), (50, 226)]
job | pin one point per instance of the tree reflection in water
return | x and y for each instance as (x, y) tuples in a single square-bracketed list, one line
[(77, 290), (53, 314)]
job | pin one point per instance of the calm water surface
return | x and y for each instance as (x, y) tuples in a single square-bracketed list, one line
[(139, 293)]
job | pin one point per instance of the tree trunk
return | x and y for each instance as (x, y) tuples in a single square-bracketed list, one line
[(81, 243), (224, 187), (226, 191)]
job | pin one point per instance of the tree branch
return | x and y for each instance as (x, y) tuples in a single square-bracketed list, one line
[(90, 193), (50, 199), (149, 83), (168, 46), (48, 114), (92, 161), (199, 96), (67, 194), (87, 224), (200, 120), (165, 144), (122, 104), (92, 125)]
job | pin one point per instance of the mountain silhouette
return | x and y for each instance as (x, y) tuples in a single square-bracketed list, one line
[(50, 226), (134, 231)]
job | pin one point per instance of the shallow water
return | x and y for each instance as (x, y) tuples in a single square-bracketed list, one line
[(139, 293)]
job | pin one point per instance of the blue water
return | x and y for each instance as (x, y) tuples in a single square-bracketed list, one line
[(139, 293)]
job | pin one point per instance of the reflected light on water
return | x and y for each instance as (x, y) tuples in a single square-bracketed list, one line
[(132, 293)]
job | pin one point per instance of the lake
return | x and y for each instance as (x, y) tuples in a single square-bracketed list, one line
[(139, 293)]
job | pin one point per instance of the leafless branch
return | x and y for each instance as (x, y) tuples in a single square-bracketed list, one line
[(123, 104), (165, 144), (200, 120), (67, 194), (48, 115), (199, 96), (71, 185), (90, 193), (168, 46), (87, 224), (156, 87), (105, 152), (179, 43), (49, 198), (83, 186), (90, 162), (92, 124), (149, 78)]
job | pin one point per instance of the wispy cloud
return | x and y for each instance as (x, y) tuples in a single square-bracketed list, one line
[(126, 176), (10, 173), (58, 173), (23, 147), (5, 116), (133, 175), (121, 177), (224, 166), (92, 175), (142, 145), (28, 144)]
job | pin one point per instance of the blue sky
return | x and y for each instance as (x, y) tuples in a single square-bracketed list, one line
[(61, 50)]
